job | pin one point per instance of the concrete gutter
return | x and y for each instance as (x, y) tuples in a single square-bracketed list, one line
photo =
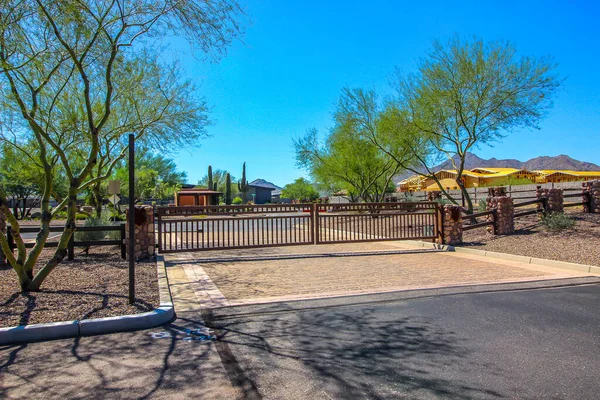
[(591, 269), (97, 326)]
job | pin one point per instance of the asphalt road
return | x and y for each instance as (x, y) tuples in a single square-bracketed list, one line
[(535, 344), (443, 343)]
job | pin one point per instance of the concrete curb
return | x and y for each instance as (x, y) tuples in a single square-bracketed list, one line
[(96, 326), (510, 257)]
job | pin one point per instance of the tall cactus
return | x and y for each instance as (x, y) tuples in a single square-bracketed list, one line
[(214, 186), (228, 189), (243, 185), (210, 179)]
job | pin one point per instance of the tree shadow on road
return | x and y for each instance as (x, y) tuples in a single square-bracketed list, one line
[(347, 353)]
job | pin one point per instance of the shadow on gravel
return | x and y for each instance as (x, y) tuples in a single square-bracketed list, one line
[(158, 363), (345, 352)]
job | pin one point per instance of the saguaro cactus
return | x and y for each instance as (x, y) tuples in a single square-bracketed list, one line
[(228, 189), (210, 178), (243, 185)]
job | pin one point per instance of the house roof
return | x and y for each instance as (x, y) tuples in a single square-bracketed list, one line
[(496, 170), (198, 191), (465, 172), (547, 172), (264, 184)]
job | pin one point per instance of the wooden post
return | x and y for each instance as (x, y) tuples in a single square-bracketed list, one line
[(439, 210), (314, 216), (123, 245), (545, 204), (158, 221), (71, 247)]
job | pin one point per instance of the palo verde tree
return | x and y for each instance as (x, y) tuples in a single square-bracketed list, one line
[(467, 93), (20, 178), (156, 176), (350, 159), (170, 117), (300, 190), (219, 178), (63, 69)]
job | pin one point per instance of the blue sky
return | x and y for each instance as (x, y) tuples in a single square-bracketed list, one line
[(296, 56)]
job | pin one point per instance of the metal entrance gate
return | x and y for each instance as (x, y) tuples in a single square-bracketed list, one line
[(245, 226)]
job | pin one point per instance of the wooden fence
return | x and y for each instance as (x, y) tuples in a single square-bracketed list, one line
[(470, 220), (520, 192), (74, 243)]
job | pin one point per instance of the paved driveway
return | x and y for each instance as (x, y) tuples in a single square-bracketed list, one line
[(234, 277)]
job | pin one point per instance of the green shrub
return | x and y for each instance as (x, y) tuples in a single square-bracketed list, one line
[(78, 216), (92, 236), (237, 200), (557, 222), (410, 198), (482, 204)]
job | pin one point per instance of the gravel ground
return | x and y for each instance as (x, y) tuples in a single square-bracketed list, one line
[(580, 244), (91, 286)]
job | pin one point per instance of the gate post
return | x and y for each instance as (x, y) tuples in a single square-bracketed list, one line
[(439, 223), (591, 196), (159, 222), (314, 216), (143, 233), (452, 224)]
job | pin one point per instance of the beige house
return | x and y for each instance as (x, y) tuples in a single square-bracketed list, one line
[(485, 176)]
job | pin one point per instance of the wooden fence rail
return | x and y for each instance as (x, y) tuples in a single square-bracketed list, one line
[(72, 242)]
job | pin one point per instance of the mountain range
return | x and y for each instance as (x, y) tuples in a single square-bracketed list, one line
[(544, 162)]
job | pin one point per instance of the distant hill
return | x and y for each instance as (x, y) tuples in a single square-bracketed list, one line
[(544, 162)]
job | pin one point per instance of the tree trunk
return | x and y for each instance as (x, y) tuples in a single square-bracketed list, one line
[(466, 196), (61, 250), (97, 196)]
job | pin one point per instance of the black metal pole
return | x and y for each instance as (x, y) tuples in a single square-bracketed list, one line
[(131, 220)]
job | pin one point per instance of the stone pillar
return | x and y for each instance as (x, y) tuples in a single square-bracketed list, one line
[(554, 198), (593, 188), (496, 191), (144, 232), (3, 230), (453, 224), (434, 195), (505, 224)]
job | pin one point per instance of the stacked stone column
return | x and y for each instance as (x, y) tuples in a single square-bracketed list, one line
[(453, 224), (144, 232), (505, 211), (434, 195), (555, 201), (3, 230), (593, 188)]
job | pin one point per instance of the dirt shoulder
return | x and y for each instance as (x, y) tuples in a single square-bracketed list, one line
[(91, 286), (580, 244)]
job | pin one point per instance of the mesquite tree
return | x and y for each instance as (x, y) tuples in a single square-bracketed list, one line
[(65, 70), (467, 93)]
